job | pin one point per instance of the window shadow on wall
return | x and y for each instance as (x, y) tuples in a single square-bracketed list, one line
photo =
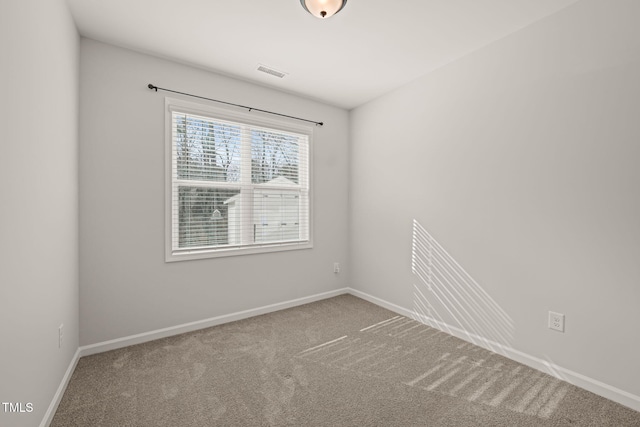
[(445, 294)]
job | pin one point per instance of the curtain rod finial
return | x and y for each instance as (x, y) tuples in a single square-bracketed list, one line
[(150, 86)]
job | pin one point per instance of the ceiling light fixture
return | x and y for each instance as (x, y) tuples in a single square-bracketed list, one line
[(323, 8)]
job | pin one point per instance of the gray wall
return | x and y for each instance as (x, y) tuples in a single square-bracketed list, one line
[(39, 208), (521, 160), (126, 287)]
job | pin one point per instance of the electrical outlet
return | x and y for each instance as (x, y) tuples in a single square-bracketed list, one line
[(60, 334), (556, 321), (336, 267)]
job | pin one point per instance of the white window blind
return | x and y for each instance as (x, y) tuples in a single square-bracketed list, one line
[(235, 186)]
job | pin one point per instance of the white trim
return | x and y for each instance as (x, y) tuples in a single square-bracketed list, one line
[(53, 406), (114, 344), (227, 113), (168, 181), (605, 390), (246, 121), (188, 255)]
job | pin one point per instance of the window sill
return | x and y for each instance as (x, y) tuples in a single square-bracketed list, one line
[(187, 255)]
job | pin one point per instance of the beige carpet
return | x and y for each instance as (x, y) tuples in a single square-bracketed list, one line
[(337, 362)]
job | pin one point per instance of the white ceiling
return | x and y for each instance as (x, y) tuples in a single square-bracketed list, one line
[(366, 50)]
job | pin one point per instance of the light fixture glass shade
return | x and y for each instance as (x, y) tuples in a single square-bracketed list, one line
[(323, 8)]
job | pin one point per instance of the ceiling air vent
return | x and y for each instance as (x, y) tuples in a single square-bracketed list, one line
[(271, 71)]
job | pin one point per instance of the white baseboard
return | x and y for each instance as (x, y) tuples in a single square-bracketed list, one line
[(605, 390), (173, 330), (51, 411), (201, 324), (617, 395)]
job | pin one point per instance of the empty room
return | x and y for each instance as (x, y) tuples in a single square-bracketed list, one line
[(320, 213)]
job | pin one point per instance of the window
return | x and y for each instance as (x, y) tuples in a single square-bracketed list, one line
[(236, 184)]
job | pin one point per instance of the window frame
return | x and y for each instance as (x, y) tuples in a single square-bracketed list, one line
[(250, 119)]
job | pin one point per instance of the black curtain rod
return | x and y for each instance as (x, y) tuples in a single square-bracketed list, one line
[(156, 88)]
